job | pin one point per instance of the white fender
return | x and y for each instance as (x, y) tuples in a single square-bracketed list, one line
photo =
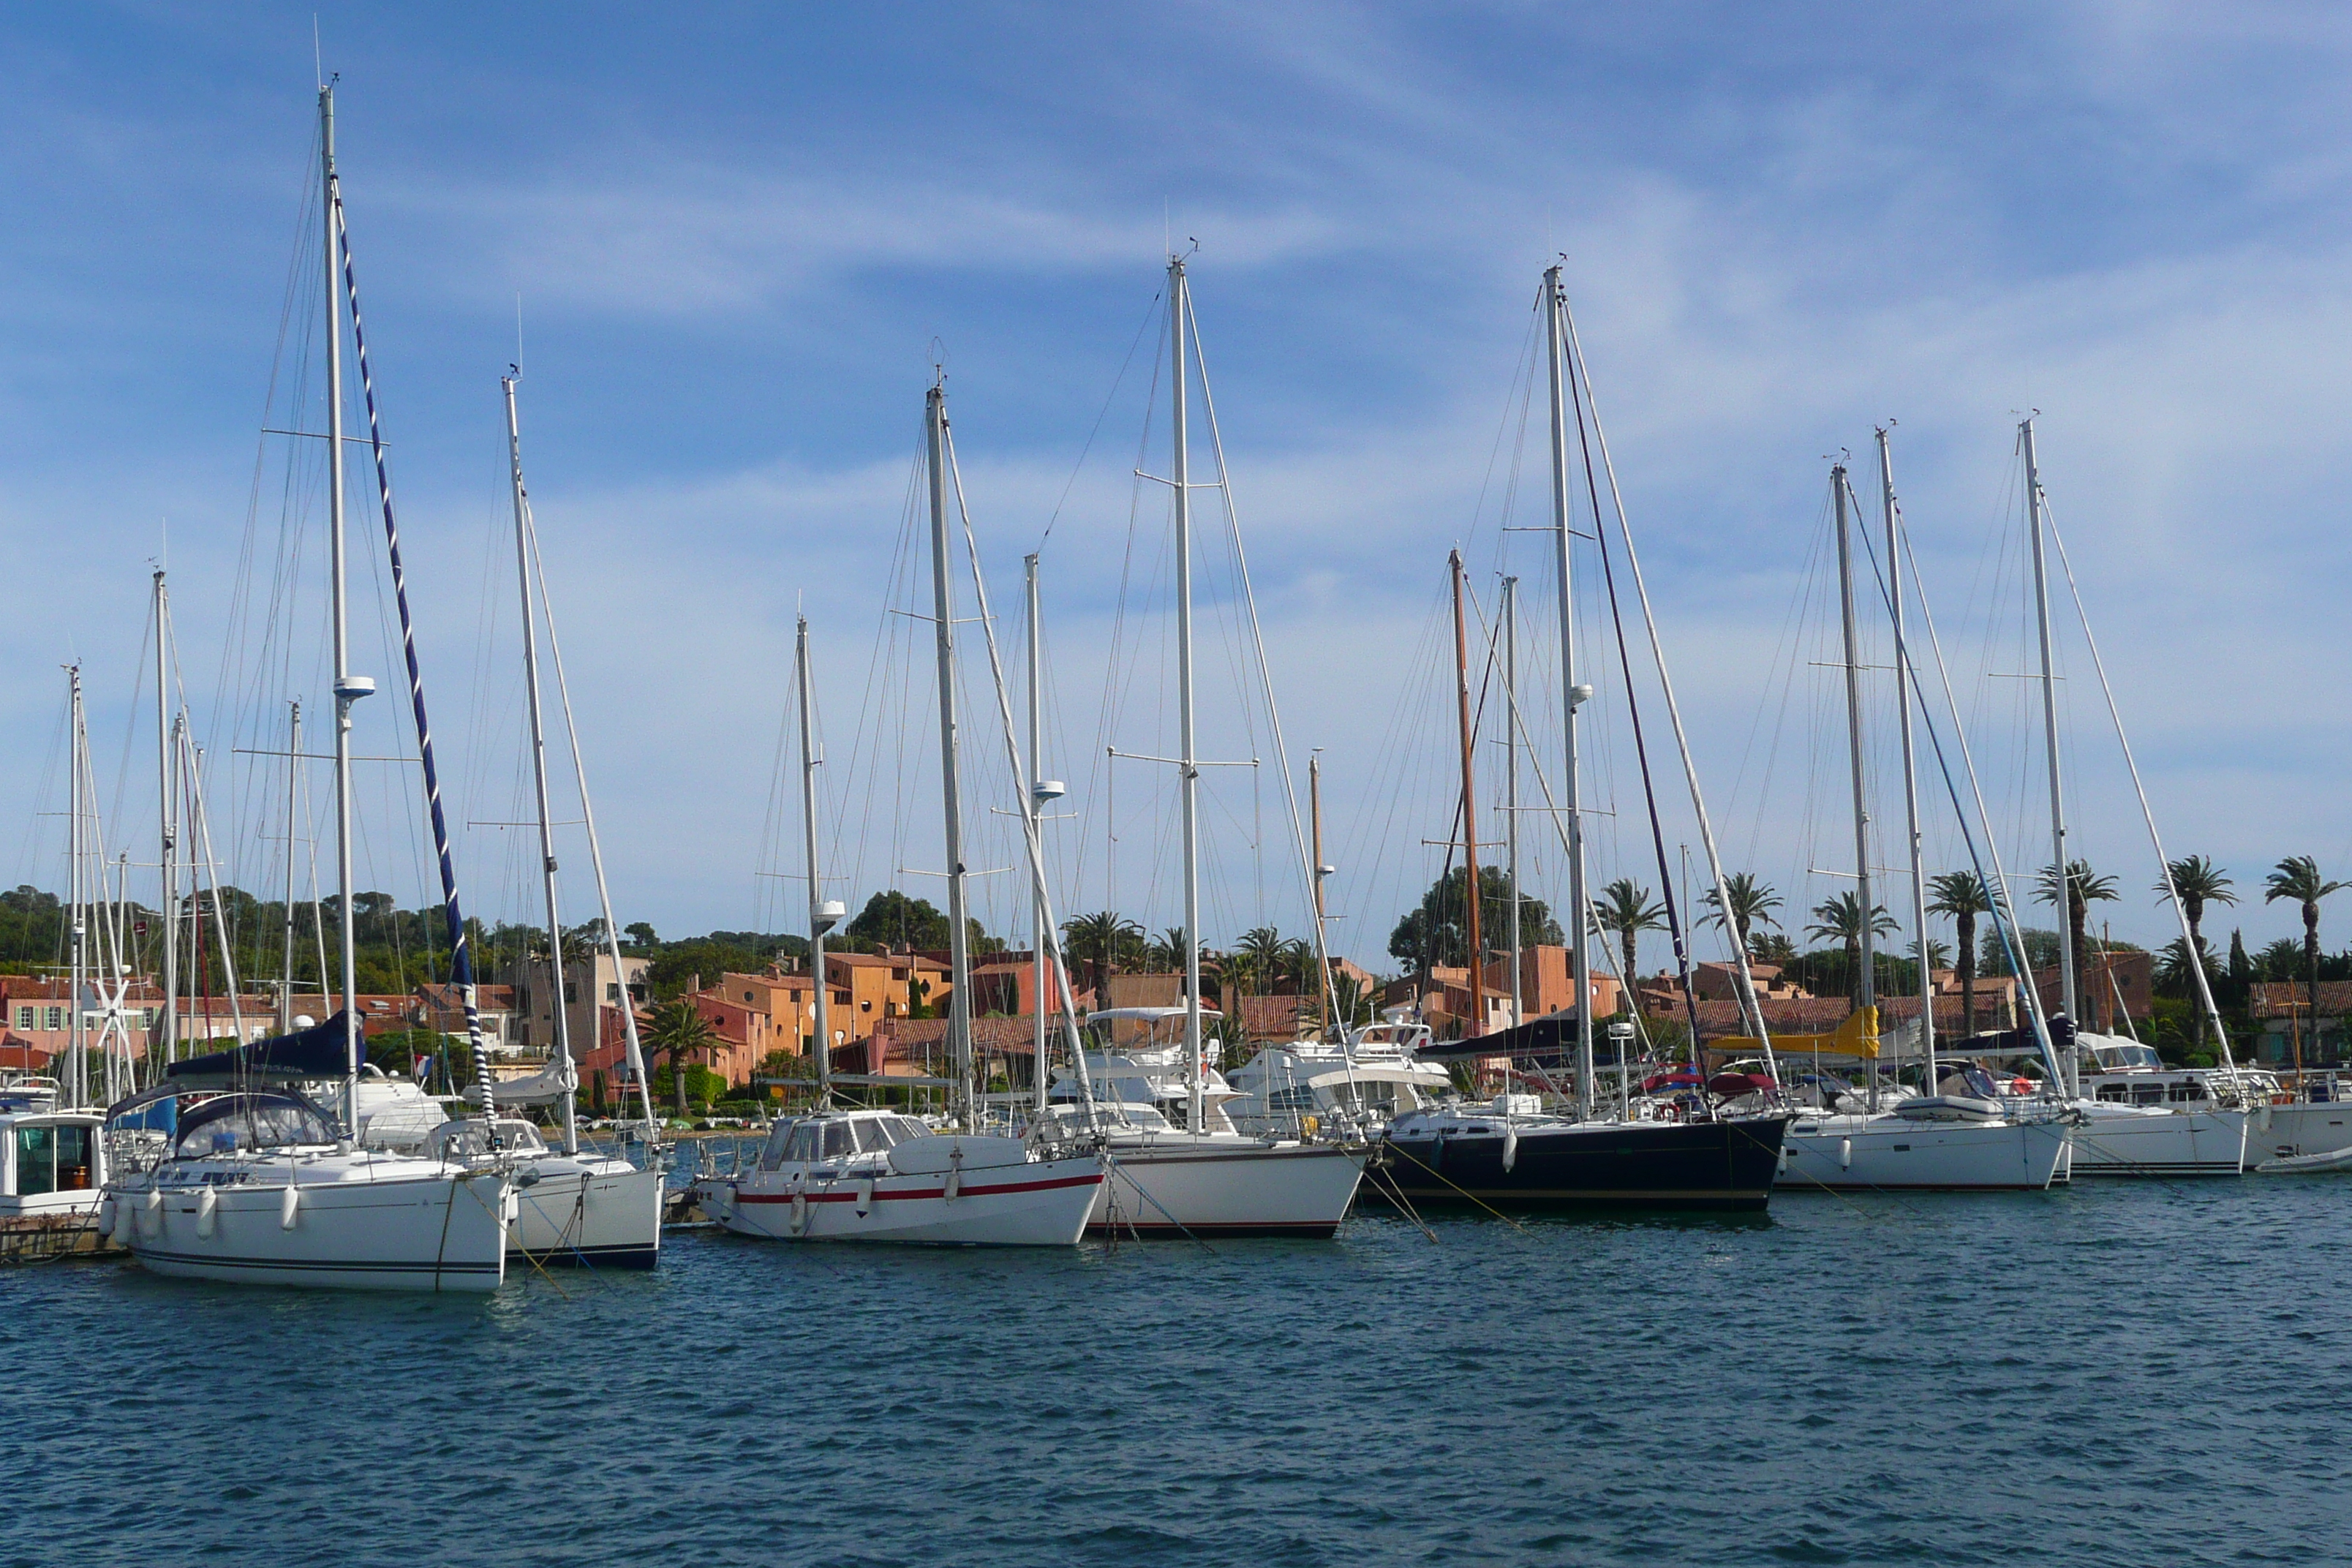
[(864, 1197), (1783, 1166), (109, 1212), (151, 1212), (2262, 1116), (207, 1211), (798, 1217), (289, 1205), (1510, 1146), (1845, 1154), (955, 1175)]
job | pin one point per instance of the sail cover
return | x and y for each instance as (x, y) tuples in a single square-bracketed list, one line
[(306, 1056)]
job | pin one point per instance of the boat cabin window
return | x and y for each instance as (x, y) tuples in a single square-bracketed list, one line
[(839, 1140), (52, 1160), (241, 1122), (2115, 1092)]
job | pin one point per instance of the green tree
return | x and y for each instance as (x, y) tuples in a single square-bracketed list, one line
[(680, 1034), (1960, 896), (1625, 909), (894, 921), (2198, 882), (2084, 888), (641, 937), (2298, 878), (1840, 919), (1102, 942), (1752, 903), (1437, 931)]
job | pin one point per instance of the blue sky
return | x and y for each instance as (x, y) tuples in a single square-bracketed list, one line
[(738, 234)]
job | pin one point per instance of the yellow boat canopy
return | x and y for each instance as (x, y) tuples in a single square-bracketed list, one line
[(1856, 1038)]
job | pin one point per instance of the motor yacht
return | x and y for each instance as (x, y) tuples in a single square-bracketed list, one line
[(1350, 1087)]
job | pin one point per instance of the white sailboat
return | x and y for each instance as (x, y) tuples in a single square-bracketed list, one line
[(2113, 1138), (253, 1182), (573, 1206), (1199, 1175), (874, 1175), (1953, 1136)]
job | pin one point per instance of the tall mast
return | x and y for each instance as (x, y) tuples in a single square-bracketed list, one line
[(2050, 742), (1865, 989), (1035, 792), (349, 687), (77, 1083), (1511, 778), (1315, 820), (821, 1053), (168, 913), (1572, 695), (1910, 767), (293, 805), (1477, 1023), (570, 1077), (1188, 768), (935, 409)]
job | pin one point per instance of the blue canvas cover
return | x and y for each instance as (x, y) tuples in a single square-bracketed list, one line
[(306, 1056)]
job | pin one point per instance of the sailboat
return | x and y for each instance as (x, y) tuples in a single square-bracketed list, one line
[(1193, 1175), (573, 1206), (1959, 1134), (256, 1182), (2118, 1136), (857, 1173), (1512, 1152)]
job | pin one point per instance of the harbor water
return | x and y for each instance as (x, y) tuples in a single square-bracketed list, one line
[(2129, 1373)]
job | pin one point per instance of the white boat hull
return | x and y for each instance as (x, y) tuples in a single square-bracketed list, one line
[(1178, 1187), (1893, 1154), (597, 1212), (425, 1232), (2290, 1131), (1041, 1203), (2130, 1141)]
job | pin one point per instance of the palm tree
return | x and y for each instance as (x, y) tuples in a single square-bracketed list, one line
[(2197, 882), (1961, 896), (1098, 939), (2084, 888), (1262, 956), (2298, 878), (1624, 908), (1839, 920), (1752, 903), (1166, 950), (679, 1031)]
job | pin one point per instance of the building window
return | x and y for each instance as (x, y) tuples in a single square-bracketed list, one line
[(571, 992), (612, 991), (56, 1017), (24, 1017)]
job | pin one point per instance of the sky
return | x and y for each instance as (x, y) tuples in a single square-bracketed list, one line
[(732, 247)]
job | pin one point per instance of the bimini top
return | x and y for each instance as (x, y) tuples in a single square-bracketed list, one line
[(306, 1056), (1145, 1014)]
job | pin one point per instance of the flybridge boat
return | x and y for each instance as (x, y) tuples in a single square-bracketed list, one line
[(1335, 1088), (1174, 1172), (880, 1176)]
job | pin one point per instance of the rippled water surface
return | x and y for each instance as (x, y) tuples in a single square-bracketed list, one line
[(2127, 1374)]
